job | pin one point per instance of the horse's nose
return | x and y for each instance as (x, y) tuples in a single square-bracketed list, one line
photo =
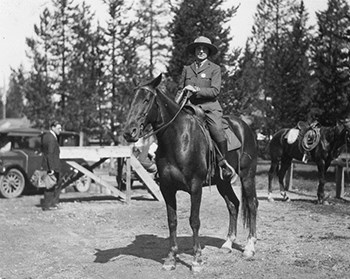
[(131, 134)]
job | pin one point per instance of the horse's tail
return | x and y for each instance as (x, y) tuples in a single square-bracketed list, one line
[(249, 207), (249, 201)]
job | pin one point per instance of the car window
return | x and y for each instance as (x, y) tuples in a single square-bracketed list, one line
[(5, 143), (31, 143), (5, 147), (35, 143)]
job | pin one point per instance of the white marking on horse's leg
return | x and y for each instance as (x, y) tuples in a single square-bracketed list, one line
[(284, 196), (169, 264), (227, 246), (249, 249), (197, 266)]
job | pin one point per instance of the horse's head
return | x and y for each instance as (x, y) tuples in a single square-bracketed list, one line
[(142, 111)]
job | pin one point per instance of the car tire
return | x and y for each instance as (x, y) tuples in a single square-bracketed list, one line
[(12, 184), (83, 184)]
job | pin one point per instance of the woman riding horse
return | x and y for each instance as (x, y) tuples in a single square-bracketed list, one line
[(203, 80), (183, 161)]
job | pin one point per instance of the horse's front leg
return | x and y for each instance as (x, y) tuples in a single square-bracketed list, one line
[(170, 201), (285, 165), (196, 197), (271, 175)]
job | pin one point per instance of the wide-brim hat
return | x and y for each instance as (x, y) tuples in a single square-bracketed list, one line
[(202, 41)]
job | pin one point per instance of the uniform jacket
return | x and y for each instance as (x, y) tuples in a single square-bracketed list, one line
[(208, 79), (51, 152)]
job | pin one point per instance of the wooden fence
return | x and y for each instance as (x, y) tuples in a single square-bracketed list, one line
[(341, 164)]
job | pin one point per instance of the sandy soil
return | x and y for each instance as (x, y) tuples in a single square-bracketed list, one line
[(95, 236)]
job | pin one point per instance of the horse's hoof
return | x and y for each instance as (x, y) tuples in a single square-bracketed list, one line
[(225, 249), (197, 267), (168, 267), (325, 202), (248, 254), (169, 264), (271, 199)]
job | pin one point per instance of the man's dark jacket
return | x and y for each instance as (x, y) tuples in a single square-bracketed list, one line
[(51, 152)]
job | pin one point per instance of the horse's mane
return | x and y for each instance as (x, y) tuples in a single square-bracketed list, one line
[(169, 99)]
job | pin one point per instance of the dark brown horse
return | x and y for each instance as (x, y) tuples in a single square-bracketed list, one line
[(332, 139), (182, 162)]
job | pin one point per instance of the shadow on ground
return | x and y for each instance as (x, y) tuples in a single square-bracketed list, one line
[(152, 247)]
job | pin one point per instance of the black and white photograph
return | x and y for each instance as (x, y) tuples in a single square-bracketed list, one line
[(180, 139)]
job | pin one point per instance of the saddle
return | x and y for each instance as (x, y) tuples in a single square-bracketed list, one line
[(308, 135)]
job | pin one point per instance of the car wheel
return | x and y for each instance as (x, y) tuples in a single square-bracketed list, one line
[(83, 184), (12, 184)]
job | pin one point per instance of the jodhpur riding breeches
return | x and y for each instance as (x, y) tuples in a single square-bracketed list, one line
[(214, 122)]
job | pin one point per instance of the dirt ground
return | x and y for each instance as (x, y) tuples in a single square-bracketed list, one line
[(95, 236)]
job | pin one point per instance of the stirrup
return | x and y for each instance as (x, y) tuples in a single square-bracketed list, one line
[(233, 177), (305, 159)]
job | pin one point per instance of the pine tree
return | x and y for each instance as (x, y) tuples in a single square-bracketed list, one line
[(83, 70), (37, 88), (330, 66), (15, 96), (152, 20), (281, 40), (61, 39), (124, 64)]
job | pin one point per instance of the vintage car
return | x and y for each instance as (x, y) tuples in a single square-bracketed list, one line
[(20, 156)]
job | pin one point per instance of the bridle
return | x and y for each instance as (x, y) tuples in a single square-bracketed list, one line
[(163, 125)]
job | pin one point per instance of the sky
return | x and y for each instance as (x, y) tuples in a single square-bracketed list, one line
[(17, 18)]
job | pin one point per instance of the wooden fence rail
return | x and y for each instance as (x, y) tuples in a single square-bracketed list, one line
[(340, 164), (95, 153)]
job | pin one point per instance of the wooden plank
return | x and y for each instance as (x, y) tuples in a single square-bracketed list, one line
[(128, 180), (146, 178), (340, 163), (114, 191), (94, 153)]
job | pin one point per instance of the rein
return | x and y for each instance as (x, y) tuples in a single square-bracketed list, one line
[(166, 124)]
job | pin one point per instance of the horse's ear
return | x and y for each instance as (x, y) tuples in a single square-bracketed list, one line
[(154, 83)]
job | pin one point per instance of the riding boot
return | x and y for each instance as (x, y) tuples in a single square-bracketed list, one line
[(228, 172)]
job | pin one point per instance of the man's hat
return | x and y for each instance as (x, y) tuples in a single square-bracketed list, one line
[(202, 41)]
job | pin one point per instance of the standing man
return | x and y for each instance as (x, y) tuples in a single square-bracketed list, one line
[(51, 163), (202, 79)]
